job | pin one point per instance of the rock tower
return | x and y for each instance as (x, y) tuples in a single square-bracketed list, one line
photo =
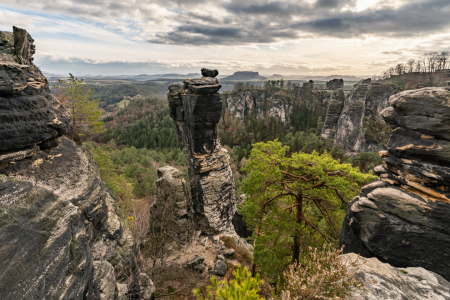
[(195, 106)]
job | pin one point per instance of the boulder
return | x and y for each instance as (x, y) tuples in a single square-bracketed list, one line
[(197, 264), (196, 109), (220, 267), (402, 219), (382, 281), (171, 186), (209, 73)]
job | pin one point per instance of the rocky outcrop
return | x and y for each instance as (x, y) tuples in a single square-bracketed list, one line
[(382, 281), (333, 113), (244, 104), (29, 114), (195, 107), (402, 218), (335, 84), (360, 110), (60, 234)]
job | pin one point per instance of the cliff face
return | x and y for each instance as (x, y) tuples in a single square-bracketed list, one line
[(333, 113), (60, 234), (196, 106), (402, 218), (243, 104), (29, 114), (364, 102)]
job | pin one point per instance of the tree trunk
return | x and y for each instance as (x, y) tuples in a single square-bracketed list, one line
[(298, 220), (258, 233)]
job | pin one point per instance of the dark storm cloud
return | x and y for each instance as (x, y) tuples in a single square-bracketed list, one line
[(272, 21)]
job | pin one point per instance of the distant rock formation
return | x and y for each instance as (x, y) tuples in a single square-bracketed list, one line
[(60, 234), (245, 75), (333, 113), (29, 114), (242, 104), (364, 103), (195, 107), (335, 84), (382, 281), (402, 218)]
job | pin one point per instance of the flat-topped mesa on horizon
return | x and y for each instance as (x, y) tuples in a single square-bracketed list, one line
[(196, 106), (29, 114), (245, 75), (402, 218)]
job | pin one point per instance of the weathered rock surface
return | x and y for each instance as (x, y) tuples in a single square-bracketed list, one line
[(60, 235), (335, 84), (195, 107), (402, 219), (333, 113), (366, 100), (243, 104), (386, 282), (171, 184), (28, 112)]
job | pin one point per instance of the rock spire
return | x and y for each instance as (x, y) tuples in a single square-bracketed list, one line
[(195, 106)]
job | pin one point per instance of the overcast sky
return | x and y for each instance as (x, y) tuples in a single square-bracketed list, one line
[(308, 37)]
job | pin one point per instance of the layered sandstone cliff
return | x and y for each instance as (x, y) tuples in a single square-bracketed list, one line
[(60, 233), (195, 107), (402, 218), (348, 125)]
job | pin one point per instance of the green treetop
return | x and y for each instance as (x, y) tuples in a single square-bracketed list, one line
[(85, 111), (295, 202)]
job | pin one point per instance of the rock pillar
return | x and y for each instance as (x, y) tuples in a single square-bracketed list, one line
[(196, 106)]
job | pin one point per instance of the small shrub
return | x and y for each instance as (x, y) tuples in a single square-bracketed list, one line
[(244, 286), (323, 276)]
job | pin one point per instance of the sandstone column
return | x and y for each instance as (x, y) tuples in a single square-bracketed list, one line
[(195, 106)]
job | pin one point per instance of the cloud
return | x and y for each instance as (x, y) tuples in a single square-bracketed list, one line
[(237, 22)]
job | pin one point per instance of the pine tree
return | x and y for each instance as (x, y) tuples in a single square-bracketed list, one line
[(85, 111)]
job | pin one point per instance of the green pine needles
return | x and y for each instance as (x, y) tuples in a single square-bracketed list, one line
[(295, 202), (78, 99), (243, 287)]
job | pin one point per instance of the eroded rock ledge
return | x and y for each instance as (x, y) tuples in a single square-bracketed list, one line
[(196, 106), (402, 218)]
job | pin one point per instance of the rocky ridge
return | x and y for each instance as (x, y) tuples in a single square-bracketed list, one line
[(195, 106), (402, 218), (61, 236)]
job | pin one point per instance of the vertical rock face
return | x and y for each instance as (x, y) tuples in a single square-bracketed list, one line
[(333, 113), (335, 84), (402, 218), (29, 114), (243, 104), (60, 233), (196, 106), (366, 100)]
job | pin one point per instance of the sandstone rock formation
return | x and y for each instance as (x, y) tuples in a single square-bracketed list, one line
[(29, 114), (243, 104), (195, 107), (386, 282), (402, 218), (335, 84), (60, 235), (363, 105), (333, 113)]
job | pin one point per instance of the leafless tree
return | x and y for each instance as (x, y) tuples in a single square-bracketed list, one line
[(410, 64)]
